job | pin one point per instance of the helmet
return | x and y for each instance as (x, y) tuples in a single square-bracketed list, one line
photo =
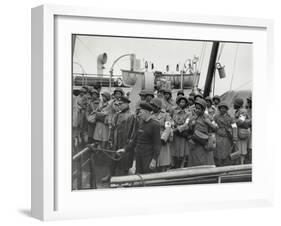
[(180, 92), (180, 98), (157, 102), (142, 93), (239, 102), (216, 97), (119, 90), (168, 91), (149, 93), (198, 95), (146, 106), (95, 91), (202, 103), (223, 104), (106, 95), (208, 99)]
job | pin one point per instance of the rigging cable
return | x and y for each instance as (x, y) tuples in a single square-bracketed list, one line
[(244, 84), (202, 56)]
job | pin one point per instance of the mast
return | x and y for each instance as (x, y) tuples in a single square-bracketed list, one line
[(211, 68)]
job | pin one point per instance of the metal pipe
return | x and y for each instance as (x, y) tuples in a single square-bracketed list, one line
[(179, 173), (111, 68), (80, 153)]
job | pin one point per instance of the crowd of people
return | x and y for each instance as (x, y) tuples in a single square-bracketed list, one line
[(163, 133)]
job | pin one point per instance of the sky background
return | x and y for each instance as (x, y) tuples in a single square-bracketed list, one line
[(237, 57)]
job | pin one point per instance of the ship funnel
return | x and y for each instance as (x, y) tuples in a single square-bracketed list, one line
[(101, 60)]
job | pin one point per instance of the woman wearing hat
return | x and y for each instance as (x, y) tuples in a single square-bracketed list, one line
[(242, 121), (103, 120), (93, 105), (82, 102), (165, 121), (168, 103), (224, 139), (180, 147), (210, 109), (216, 100), (199, 126)]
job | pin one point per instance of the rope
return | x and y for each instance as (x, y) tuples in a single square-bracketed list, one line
[(90, 51), (202, 56), (234, 66), (106, 153)]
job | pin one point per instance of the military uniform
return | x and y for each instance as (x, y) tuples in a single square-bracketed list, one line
[(199, 155), (169, 104), (90, 111), (180, 146), (103, 121), (224, 139), (241, 143), (164, 118), (146, 143), (122, 125)]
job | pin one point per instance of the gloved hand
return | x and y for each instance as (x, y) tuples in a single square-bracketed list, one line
[(152, 164)]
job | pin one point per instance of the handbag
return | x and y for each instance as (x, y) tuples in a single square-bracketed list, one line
[(200, 137), (91, 118), (243, 134), (212, 142)]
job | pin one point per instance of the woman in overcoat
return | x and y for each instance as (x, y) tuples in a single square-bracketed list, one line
[(200, 126), (180, 146), (224, 139)]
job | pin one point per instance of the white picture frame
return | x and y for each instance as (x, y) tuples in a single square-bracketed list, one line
[(53, 199)]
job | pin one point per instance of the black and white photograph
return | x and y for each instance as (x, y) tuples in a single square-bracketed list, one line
[(160, 112)]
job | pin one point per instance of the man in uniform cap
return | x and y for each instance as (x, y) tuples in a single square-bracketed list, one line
[(146, 141)]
